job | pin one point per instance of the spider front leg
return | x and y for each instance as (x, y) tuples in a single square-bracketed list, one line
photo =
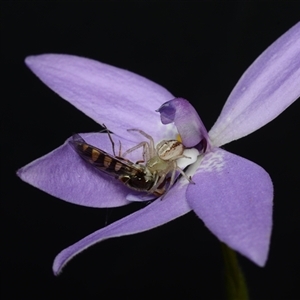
[(145, 147), (151, 148)]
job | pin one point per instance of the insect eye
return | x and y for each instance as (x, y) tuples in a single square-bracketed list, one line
[(124, 179), (139, 182)]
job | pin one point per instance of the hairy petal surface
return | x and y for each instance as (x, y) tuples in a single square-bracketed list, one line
[(186, 119), (118, 98), (267, 88), (233, 196), (63, 174), (155, 214)]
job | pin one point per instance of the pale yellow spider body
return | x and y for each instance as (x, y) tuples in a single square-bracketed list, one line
[(160, 161)]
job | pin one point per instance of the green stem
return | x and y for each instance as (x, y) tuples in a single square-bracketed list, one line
[(236, 287)]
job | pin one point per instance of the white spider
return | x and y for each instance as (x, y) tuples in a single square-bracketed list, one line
[(160, 161)]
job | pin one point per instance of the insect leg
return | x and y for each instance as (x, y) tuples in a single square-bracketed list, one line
[(120, 149), (111, 140)]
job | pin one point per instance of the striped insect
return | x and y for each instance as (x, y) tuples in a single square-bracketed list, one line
[(133, 175)]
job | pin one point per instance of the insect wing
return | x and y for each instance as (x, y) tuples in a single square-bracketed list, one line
[(100, 159)]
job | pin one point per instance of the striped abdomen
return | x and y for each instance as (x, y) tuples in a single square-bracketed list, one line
[(101, 159)]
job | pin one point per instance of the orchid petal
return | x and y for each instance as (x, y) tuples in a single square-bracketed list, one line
[(118, 98), (155, 214), (233, 196), (266, 89), (186, 119), (63, 174)]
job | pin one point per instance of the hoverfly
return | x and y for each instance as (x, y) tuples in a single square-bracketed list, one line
[(134, 175), (148, 175)]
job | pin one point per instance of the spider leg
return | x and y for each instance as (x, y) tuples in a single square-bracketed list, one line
[(158, 183), (143, 145), (149, 137), (179, 156), (172, 180), (184, 175), (173, 174)]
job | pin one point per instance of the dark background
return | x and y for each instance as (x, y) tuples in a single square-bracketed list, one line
[(196, 50)]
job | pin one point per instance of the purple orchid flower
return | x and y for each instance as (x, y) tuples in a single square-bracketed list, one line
[(233, 196)]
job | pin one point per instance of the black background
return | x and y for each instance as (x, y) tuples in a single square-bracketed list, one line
[(197, 50)]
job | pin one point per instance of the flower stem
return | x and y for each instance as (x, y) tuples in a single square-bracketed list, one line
[(236, 287)]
